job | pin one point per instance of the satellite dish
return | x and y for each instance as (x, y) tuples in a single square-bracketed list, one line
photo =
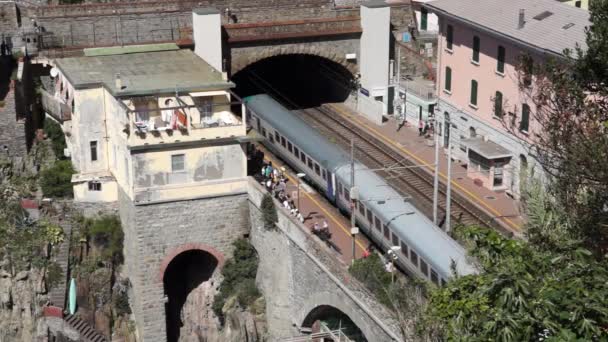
[(54, 72)]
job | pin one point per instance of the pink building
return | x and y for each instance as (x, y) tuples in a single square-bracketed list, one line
[(480, 44)]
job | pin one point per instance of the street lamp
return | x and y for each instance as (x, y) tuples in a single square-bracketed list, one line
[(392, 253), (300, 176)]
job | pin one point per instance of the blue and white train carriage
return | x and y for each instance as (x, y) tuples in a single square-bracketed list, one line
[(383, 213)]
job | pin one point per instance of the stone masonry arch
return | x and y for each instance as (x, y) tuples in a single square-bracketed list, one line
[(333, 50), (219, 256), (333, 300)]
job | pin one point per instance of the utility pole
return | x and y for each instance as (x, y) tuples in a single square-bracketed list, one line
[(353, 227), (436, 175), (449, 185)]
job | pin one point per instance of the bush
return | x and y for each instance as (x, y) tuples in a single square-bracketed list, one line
[(54, 273), (269, 212), (56, 181), (55, 133), (106, 232), (239, 278), (371, 272)]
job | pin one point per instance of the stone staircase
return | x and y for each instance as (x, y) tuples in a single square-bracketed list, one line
[(58, 293), (87, 334)]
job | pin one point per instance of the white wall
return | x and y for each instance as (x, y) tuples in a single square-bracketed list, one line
[(207, 34), (374, 61)]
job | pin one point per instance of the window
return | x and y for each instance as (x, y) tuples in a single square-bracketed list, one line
[(303, 157), (296, 151), (395, 240), (448, 79), (498, 104), (370, 217), (309, 162), (94, 186), (424, 268), (289, 147), (404, 249), (283, 142), (414, 257), (473, 99), (264, 132), (339, 188), (93, 150), (443, 282), (361, 209), (387, 233), (324, 173), (449, 37), (317, 169), (277, 136), (177, 162), (377, 223), (577, 4), (525, 118), (424, 19), (434, 277), (500, 60), (476, 46), (346, 193)]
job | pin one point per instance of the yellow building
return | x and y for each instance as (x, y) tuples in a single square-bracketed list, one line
[(156, 125)]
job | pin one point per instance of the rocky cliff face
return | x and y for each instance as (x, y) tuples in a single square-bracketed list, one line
[(21, 297)]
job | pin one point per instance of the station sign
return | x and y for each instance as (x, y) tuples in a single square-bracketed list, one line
[(364, 92)]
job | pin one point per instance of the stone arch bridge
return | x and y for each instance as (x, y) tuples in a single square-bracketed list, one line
[(309, 278)]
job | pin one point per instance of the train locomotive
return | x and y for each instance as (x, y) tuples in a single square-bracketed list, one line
[(381, 212)]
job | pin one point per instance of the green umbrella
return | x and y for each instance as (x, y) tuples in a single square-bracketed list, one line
[(72, 297)]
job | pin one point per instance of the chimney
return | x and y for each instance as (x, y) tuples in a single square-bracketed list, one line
[(522, 18), (118, 82)]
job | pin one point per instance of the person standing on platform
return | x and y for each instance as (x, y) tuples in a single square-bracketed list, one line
[(420, 127)]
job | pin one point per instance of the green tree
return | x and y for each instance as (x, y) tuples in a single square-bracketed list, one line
[(269, 212), (239, 278), (56, 181), (55, 134)]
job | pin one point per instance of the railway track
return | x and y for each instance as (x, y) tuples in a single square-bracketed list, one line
[(413, 182)]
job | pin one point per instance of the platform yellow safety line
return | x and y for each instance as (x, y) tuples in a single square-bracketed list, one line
[(386, 140), (332, 217)]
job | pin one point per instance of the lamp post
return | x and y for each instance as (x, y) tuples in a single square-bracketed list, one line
[(392, 253), (300, 176)]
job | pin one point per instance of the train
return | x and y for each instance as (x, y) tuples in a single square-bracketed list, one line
[(385, 215)]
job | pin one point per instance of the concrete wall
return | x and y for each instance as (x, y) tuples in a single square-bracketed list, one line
[(308, 275), (375, 49), (207, 35), (13, 142), (155, 233)]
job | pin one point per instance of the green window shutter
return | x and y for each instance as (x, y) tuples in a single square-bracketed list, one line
[(498, 104), (524, 125), (473, 92), (500, 60), (424, 14), (448, 78), (476, 45), (449, 37)]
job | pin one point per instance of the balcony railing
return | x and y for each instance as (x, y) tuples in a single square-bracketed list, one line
[(55, 107)]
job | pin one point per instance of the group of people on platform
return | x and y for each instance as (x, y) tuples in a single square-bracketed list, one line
[(276, 183)]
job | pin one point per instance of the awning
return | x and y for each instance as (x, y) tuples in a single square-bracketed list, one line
[(487, 149), (252, 136)]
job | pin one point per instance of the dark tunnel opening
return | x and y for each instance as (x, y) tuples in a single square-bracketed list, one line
[(186, 272), (298, 81), (326, 317)]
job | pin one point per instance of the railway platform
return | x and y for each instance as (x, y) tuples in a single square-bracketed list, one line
[(315, 208), (408, 143)]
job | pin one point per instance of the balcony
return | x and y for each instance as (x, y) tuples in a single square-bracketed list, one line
[(55, 107), (184, 118)]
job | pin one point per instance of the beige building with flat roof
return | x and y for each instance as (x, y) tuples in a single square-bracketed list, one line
[(157, 124)]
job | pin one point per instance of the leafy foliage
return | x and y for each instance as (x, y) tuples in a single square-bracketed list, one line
[(269, 212), (524, 293), (55, 134), (404, 298), (105, 233), (56, 181), (239, 278)]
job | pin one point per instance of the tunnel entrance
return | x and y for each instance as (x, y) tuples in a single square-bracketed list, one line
[(189, 286), (325, 318), (296, 80)]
